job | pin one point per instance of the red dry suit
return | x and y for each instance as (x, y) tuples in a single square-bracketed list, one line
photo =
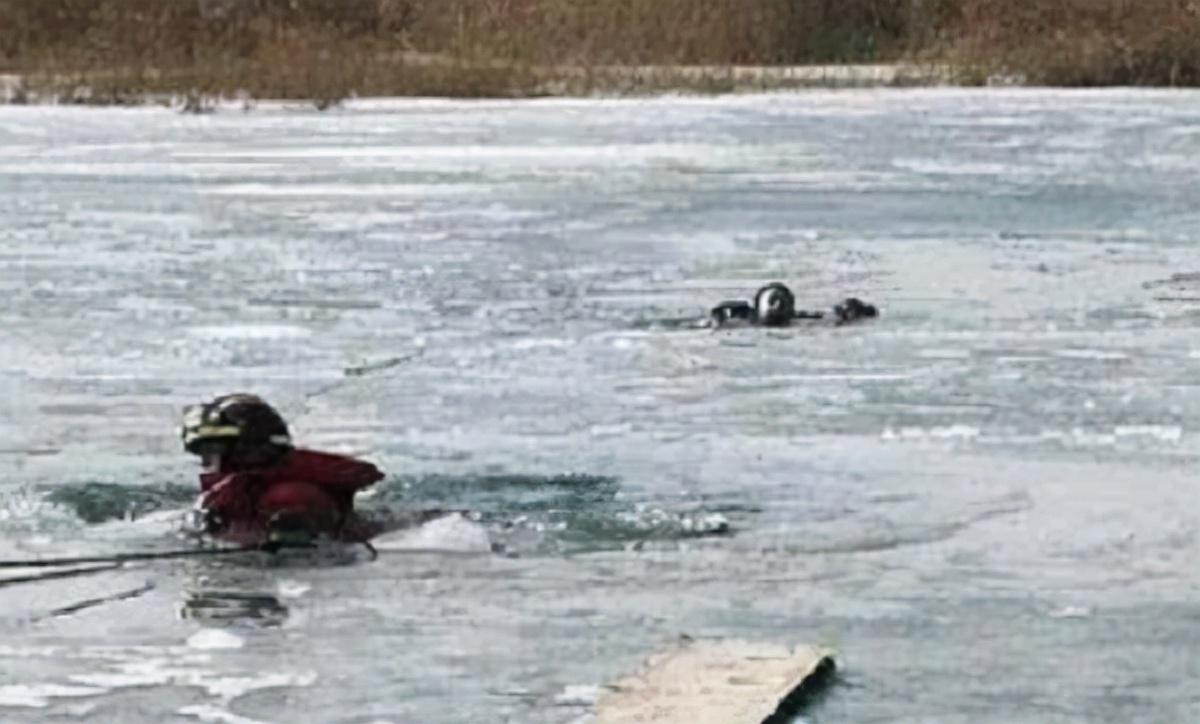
[(314, 489)]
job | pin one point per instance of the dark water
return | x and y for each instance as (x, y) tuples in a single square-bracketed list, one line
[(984, 500)]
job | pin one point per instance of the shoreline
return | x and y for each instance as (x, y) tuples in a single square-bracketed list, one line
[(88, 88), (563, 82)]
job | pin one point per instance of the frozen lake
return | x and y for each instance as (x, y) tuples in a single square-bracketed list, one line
[(985, 500)]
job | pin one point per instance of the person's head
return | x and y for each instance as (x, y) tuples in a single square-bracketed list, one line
[(775, 305), (235, 432)]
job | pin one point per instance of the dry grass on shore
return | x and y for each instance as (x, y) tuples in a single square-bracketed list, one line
[(1083, 42), (122, 50)]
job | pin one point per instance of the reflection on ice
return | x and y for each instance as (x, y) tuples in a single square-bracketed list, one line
[(233, 608)]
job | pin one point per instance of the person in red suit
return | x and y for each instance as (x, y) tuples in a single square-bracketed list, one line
[(256, 487)]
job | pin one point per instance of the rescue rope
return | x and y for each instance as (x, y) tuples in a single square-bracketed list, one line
[(52, 575), (120, 558)]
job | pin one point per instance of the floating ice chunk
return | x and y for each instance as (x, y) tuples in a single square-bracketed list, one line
[(213, 638), (452, 533)]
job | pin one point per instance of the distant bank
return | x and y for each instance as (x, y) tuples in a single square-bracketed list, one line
[(132, 51)]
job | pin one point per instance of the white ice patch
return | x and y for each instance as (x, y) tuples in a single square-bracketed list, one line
[(251, 331), (107, 169), (577, 695), (229, 688), (538, 343), (183, 668), (206, 713), (954, 431), (427, 157), (826, 180), (1093, 354), (1166, 433), (415, 191), (954, 168), (29, 652), (37, 696), (951, 432), (452, 533), (295, 589), (617, 430), (1080, 436), (944, 353), (1072, 612), (140, 672)]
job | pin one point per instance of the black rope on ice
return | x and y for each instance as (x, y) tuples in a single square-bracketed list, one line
[(122, 558)]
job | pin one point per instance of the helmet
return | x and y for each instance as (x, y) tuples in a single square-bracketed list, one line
[(775, 305), (239, 420)]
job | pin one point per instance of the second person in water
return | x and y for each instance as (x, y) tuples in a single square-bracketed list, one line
[(775, 306)]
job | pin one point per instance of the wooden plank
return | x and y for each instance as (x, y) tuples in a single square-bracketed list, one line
[(722, 682)]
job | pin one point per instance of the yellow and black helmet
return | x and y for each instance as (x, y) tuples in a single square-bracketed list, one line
[(239, 419)]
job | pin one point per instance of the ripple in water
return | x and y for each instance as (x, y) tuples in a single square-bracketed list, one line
[(522, 514)]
